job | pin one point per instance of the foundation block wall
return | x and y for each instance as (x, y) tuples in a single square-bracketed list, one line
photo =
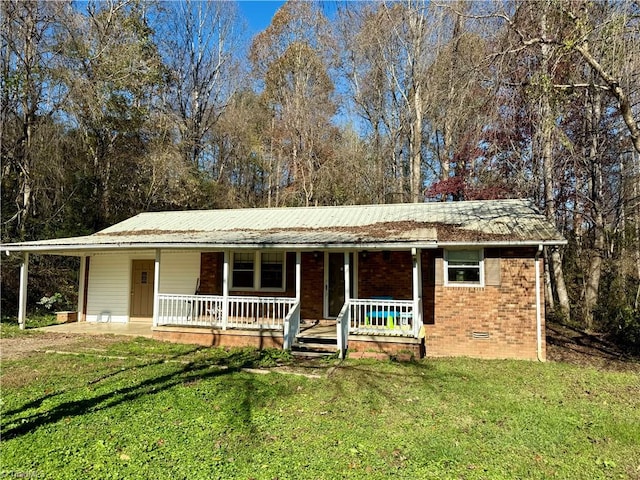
[(219, 338)]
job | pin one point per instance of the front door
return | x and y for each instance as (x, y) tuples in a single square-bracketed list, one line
[(334, 282), (142, 272)]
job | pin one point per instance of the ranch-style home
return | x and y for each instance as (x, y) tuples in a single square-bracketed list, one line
[(435, 279)]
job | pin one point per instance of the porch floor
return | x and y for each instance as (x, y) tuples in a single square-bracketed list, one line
[(131, 329), (319, 330)]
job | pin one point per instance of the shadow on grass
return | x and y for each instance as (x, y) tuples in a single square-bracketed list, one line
[(570, 338), (367, 375), (184, 374)]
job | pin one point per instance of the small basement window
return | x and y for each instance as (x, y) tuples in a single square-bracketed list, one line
[(464, 267)]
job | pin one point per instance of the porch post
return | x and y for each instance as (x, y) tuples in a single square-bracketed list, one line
[(81, 288), (298, 275), (156, 288), (291, 326), (417, 290), (225, 290), (22, 299), (347, 286), (342, 325)]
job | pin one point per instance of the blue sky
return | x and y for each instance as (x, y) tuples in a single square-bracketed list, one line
[(258, 13)]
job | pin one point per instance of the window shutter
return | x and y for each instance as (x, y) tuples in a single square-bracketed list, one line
[(439, 271), (492, 271)]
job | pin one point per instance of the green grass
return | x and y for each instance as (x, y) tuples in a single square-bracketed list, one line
[(9, 327), (175, 411)]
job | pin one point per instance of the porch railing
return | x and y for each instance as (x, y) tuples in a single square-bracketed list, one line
[(208, 311), (342, 326), (291, 326), (382, 317), (189, 310), (258, 312)]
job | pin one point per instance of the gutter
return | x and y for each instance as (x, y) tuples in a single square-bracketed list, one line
[(538, 307), (79, 249)]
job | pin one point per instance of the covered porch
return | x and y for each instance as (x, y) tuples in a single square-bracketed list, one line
[(317, 285), (318, 293)]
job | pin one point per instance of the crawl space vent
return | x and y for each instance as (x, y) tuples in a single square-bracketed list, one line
[(480, 335)]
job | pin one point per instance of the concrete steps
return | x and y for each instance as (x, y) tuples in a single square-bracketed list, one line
[(310, 346)]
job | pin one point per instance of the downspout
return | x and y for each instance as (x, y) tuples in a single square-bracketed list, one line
[(538, 308)]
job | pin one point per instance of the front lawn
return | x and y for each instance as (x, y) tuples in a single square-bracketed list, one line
[(144, 409)]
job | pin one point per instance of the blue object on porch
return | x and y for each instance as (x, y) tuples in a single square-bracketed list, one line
[(390, 316)]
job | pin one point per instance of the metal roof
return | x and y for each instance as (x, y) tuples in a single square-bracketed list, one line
[(421, 225)]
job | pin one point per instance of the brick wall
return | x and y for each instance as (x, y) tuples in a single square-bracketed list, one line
[(385, 274), (312, 299), (211, 273), (211, 264), (219, 338), (506, 313)]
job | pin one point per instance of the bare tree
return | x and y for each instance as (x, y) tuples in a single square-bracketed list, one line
[(29, 98), (199, 41), (292, 58)]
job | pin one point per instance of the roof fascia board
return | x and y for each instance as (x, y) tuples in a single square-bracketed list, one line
[(82, 249), (507, 243)]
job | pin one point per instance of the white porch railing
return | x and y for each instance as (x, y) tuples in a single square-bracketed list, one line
[(382, 317), (189, 310), (342, 326), (208, 311), (259, 312), (291, 326)]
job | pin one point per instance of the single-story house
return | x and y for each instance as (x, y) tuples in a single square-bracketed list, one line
[(435, 279)]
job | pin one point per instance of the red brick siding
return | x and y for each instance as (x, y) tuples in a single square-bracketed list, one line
[(211, 273), (506, 312), (385, 274), (217, 338), (389, 348), (312, 299), (211, 264)]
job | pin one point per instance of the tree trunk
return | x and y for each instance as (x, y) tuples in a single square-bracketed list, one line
[(416, 146), (594, 270), (546, 134)]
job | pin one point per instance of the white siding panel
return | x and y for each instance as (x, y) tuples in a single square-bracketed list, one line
[(109, 288), (179, 272)]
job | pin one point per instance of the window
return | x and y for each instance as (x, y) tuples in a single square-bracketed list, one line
[(464, 267), (258, 271), (272, 270), (243, 270)]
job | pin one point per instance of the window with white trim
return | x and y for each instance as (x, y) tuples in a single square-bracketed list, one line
[(258, 271), (464, 267)]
